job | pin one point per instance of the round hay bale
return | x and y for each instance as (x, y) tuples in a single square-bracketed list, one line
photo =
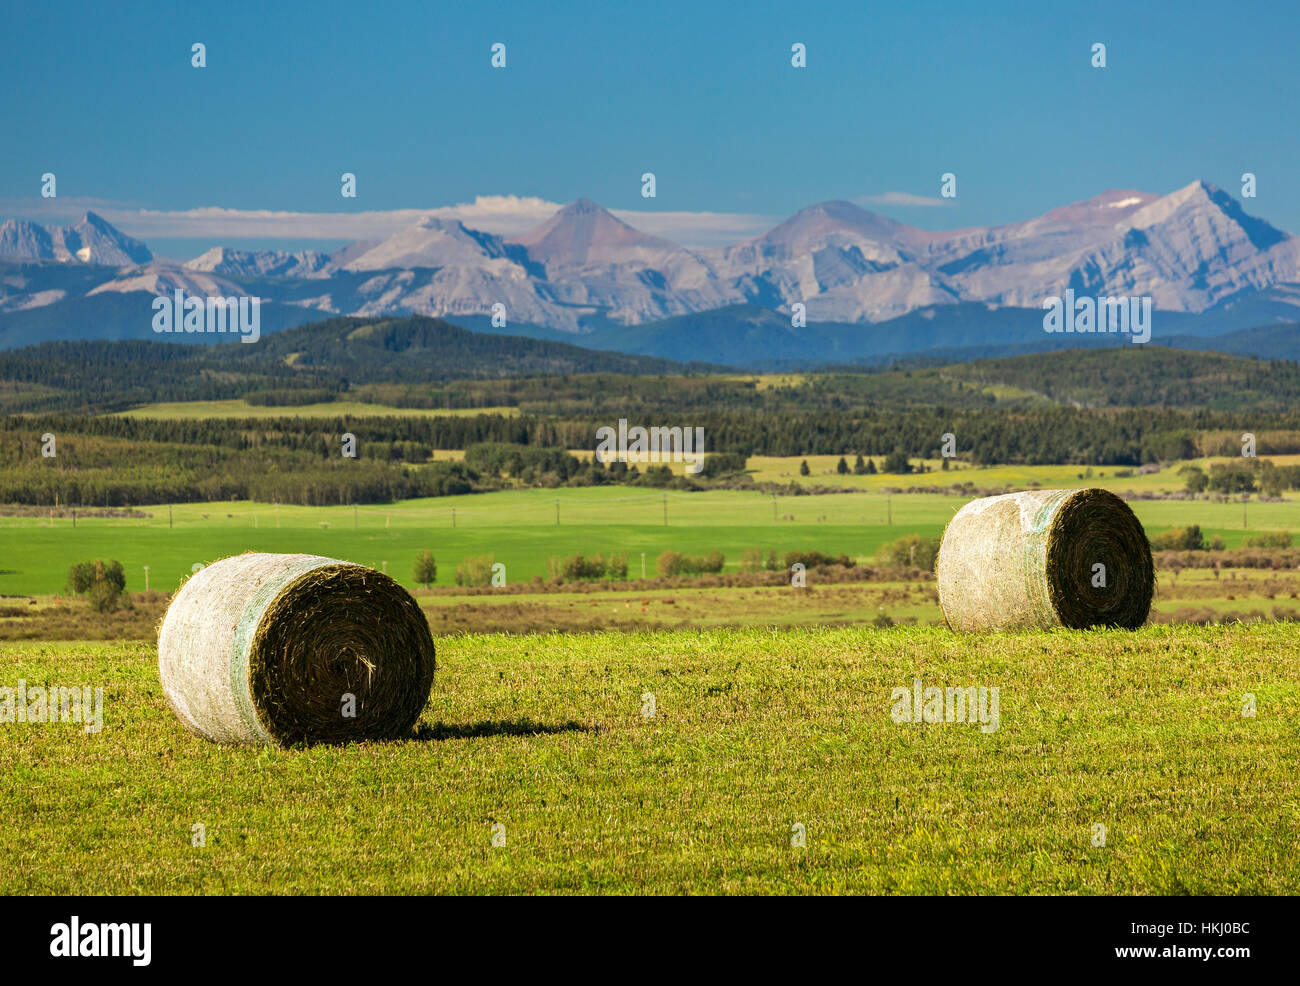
[(263, 648), (1028, 560)]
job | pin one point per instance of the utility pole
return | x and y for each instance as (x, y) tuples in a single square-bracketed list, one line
[(146, 578), (773, 508), (74, 518), (453, 516), (169, 516), (889, 512), (665, 510), (277, 515), (643, 564), (1245, 525), (557, 511)]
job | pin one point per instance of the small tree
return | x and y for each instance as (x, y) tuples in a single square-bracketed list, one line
[(842, 467), (103, 581), (1194, 478), (859, 467), (476, 570), (896, 462), (803, 468), (616, 567), (669, 563), (911, 550), (426, 569), (871, 467)]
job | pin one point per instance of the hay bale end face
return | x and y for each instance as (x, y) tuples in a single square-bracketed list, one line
[(265, 648), (1045, 558)]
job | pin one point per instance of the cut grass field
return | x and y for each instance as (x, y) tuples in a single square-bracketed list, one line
[(822, 472), (519, 528), (754, 731)]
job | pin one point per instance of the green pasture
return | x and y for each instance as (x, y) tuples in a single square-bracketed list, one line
[(519, 528), (1121, 763)]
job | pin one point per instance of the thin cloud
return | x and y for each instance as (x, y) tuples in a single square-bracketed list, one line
[(901, 198)]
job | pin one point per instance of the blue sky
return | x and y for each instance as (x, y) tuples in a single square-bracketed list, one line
[(593, 95)]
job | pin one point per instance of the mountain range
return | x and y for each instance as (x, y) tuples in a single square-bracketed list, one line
[(870, 286)]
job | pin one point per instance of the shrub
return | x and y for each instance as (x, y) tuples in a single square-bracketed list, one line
[(669, 563), (103, 581), (896, 462), (580, 569), (104, 597), (911, 550), (476, 570), (751, 560), (811, 559), (1179, 539), (675, 563), (1269, 539), (721, 463), (426, 569), (616, 567), (1194, 478), (82, 577)]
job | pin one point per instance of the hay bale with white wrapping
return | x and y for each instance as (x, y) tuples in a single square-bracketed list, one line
[(263, 648), (1045, 558)]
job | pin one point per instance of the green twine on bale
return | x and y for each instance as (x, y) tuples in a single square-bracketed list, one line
[(1031, 559), (265, 648)]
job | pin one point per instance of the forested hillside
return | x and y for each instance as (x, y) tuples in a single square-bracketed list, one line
[(331, 356), (429, 363)]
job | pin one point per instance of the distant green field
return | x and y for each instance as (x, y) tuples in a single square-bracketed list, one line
[(333, 409), (519, 528), (757, 735), (822, 472)]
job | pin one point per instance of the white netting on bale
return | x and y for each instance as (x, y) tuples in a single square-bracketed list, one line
[(266, 648), (1045, 558)]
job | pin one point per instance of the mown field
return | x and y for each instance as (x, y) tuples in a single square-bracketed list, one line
[(754, 732), (822, 471), (519, 529)]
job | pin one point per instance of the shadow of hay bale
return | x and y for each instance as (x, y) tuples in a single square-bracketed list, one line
[(481, 730)]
